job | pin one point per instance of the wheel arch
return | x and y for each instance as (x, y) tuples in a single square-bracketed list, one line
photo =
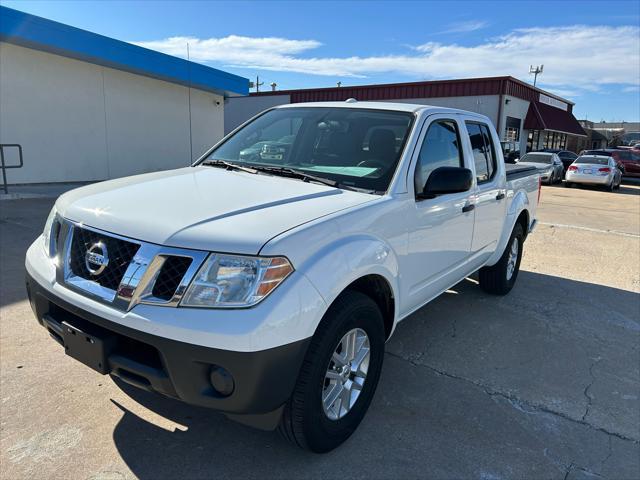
[(379, 290)]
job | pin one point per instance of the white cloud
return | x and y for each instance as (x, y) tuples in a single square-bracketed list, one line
[(631, 89), (466, 26), (576, 57)]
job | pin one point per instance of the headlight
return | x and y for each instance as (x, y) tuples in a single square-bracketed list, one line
[(235, 281), (49, 235)]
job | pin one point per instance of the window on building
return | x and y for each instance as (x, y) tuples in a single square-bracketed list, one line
[(512, 131), (532, 140), (484, 155), (440, 148)]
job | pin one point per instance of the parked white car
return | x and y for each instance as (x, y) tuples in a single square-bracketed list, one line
[(548, 164), (267, 287), (594, 170)]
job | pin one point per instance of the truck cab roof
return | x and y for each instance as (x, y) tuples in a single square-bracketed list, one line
[(391, 106)]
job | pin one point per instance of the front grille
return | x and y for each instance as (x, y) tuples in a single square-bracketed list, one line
[(120, 253), (171, 273)]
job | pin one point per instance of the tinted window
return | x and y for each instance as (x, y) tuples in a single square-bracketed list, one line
[(537, 158), (622, 155), (598, 152), (440, 148), (483, 151), (567, 155), (488, 143), (593, 160)]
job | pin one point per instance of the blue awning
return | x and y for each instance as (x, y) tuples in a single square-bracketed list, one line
[(39, 33)]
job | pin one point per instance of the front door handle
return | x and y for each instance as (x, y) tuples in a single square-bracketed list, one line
[(468, 207), (500, 196)]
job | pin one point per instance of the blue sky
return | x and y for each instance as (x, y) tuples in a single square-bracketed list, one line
[(591, 50)]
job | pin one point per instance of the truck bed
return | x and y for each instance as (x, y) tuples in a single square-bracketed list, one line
[(514, 171)]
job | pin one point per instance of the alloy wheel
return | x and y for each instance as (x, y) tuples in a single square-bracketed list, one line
[(346, 374)]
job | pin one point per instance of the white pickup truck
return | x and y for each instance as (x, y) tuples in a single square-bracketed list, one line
[(264, 280)]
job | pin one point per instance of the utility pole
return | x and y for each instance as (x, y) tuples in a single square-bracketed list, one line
[(535, 71), (189, 100), (258, 83)]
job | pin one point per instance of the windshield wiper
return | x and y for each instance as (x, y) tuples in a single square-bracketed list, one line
[(306, 177), (228, 166)]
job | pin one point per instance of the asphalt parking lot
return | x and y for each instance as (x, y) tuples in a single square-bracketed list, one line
[(542, 383)]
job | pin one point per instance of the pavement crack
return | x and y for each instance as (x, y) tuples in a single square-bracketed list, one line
[(566, 474), (516, 402), (586, 389), (606, 459)]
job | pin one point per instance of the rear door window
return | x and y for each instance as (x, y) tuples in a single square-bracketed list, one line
[(484, 156), (490, 149)]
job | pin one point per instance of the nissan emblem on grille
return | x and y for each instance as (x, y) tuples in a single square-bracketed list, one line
[(96, 259)]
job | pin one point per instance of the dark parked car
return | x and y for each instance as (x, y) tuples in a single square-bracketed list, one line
[(510, 151), (628, 160), (566, 156)]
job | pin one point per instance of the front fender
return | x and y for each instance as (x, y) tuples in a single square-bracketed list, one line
[(519, 203), (339, 263)]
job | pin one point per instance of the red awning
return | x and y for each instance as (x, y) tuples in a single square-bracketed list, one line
[(545, 117)]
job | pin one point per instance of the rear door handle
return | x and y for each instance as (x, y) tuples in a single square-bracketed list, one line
[(468, 208), (500, 196)]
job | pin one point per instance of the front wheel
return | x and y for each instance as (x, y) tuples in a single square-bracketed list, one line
[(338, 377), (500, 278)]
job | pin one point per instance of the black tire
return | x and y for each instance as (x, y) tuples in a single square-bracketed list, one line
[(568, 184), (494, 279), (304, 422)]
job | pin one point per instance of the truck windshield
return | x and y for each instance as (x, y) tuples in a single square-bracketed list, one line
[(353, 147), (537, 158)]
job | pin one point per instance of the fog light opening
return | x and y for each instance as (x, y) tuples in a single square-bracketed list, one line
[(221, 381)]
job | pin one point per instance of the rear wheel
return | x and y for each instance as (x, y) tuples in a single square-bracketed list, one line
[(568, 184), (500, 278), (338, 377)]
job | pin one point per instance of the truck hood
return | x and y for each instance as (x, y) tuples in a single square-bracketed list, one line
[(204, 208)]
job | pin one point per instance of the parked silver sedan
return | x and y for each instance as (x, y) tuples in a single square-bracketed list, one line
[(548, 164), (594, 170)]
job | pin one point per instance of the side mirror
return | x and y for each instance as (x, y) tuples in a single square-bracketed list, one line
[(447, 180)]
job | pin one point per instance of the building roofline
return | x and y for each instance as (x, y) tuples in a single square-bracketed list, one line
[(381, 86), (39, 33)]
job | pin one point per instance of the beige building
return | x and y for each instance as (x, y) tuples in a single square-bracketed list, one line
[(85, 107)]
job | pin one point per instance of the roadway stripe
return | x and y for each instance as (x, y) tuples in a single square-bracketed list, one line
[(589, 229)]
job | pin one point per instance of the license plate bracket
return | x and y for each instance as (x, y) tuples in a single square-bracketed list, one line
[(90, 349)]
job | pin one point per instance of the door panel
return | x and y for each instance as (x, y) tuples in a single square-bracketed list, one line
[(490, 190), (439, 237)]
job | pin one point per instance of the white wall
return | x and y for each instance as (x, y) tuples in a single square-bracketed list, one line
[(516, 108), (79, 122), (240, 109)]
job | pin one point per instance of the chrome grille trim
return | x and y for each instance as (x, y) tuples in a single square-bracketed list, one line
[(137, 283)]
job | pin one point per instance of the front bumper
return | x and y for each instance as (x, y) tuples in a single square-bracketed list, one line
[(263, 380)]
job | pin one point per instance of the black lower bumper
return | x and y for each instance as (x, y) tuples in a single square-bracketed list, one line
[(262, 381)]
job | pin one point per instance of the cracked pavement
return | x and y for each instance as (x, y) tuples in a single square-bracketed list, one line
[(542, 383)]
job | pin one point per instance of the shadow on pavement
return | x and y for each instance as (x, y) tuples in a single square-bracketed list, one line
[(431, 424)]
